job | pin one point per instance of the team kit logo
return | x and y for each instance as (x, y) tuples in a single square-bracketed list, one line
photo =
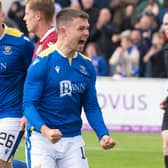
[(3, 66), (7, 50), (83, 69), (67, 88)]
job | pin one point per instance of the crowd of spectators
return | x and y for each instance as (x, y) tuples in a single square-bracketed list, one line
[(126, 37)]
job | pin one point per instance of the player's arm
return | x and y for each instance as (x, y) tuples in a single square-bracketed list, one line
[(94, 114), (94, 117), (27, 50), (92, 109), (33, 88)]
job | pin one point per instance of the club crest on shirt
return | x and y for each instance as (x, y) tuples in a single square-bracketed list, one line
[(7, 50), (57, 68), (83, 69)]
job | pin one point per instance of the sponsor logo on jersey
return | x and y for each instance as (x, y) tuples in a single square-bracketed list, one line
[(7, 50), (67, 88)]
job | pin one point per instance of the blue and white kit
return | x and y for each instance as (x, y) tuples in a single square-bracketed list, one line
[(15, 56), (55, 91)]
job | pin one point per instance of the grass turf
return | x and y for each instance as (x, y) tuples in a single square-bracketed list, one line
[(133, 150)]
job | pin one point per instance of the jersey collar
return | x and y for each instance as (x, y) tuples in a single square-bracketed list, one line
[(76, 54), (51, 30)]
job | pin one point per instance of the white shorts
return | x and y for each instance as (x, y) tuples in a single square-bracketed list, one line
[(10, 136), (66, 153)]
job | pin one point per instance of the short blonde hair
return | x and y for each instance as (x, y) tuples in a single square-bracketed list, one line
[(45, 6), (127, 35)]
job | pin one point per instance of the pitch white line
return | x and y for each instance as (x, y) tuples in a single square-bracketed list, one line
[(126, 149)]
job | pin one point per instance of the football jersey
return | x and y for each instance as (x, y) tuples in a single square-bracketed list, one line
[(15, 56), (48, 39), (56, 89)]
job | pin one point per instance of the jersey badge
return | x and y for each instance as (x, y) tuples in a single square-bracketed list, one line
[(57, 68), (7, 50), (83, 70)]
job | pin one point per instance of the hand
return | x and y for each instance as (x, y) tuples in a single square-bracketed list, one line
[(23, 123), (120, 50), (54, 135), (115, 38), (163, 105), (107, 142)]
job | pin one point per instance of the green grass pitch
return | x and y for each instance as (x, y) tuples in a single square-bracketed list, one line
[(133, 150)]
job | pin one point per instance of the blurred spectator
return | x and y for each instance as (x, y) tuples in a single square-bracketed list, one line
[(68, 3), (126, 57), (147, 26), (166, 3), (152, 6), (142, 46), (102, 32), (16, 14), (118, 9), (93, 12), (155, 56), (98, 61), (5, 19), (102, 3), (129, 18)]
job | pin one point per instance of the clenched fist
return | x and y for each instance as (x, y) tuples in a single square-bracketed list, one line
[(54, 135), (107, 142)]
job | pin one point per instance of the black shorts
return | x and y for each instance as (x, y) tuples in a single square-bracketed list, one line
[(165, 121)]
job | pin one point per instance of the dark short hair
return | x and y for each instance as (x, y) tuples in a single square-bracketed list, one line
[(68, 14)]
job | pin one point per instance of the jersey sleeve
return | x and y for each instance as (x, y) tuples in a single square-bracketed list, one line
[(27, 50), (33, 88), (92, 109)]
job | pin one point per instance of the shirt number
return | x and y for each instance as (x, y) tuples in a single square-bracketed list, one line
[(6, 139)]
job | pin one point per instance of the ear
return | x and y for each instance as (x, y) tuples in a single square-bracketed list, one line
[(62, 30), (38, 15)]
